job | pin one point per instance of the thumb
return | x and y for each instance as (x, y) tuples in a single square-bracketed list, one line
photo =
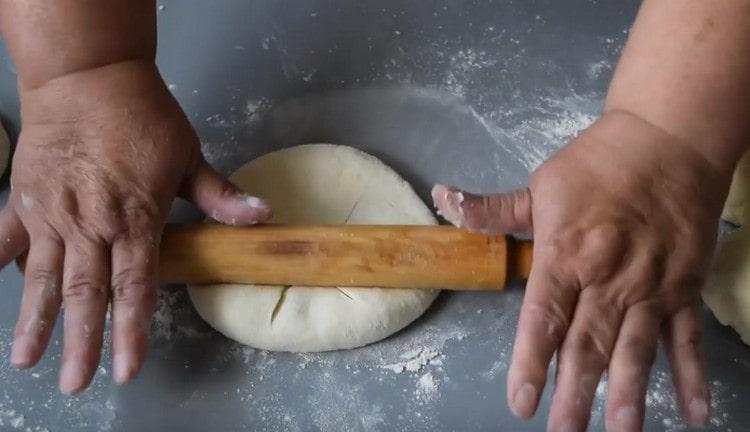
[(502, 213), (221, 200)]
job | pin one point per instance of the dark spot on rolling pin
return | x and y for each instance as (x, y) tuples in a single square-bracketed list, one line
[(287, 248)]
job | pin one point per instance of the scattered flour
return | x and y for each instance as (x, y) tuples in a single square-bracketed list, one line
[(661, 404), (427, 387), (12, 418), (174, 316), (498, 367), (596, 69), (413, 361), (464, 65), (240, 120), (163, 322), (46, 409)]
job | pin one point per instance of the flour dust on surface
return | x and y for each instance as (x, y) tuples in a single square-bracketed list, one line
[(31, 402)]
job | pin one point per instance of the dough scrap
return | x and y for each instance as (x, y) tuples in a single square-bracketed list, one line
[(319, 184), (727, 291)]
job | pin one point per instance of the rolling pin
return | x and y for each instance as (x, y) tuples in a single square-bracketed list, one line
[(342, 255)]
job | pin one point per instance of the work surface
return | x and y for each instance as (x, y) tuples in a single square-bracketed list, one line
[(474, 93)]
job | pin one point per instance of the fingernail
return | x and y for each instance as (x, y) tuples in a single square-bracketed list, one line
[(21, 353), (697, 411), (254, 202), (452, 198), (71, 378), (437, 191), (262, 208), (524, 401), (626, 419), (123, 368)]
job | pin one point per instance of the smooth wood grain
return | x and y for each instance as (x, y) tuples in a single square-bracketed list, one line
[(345, 255)]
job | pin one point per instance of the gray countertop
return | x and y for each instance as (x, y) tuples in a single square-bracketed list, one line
[(474, 93)]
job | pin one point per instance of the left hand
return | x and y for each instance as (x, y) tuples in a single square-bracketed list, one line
[(101, 156)]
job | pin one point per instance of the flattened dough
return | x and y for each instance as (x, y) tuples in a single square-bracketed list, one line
[(727, 291), (319, 184)]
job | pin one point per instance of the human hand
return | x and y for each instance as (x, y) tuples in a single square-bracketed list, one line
[(102, 154), (624, 221)]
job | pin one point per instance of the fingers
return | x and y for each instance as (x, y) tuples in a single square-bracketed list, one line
[(581, 360), (134, 284), (545, 315), (629, 369), (221, 200), (13, 237), (497, 214), (40, 301), (683, 337), (85, 295)]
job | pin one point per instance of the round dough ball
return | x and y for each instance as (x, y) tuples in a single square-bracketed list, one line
[(319, 184), (727, 291), (737, 205), (4, 150)]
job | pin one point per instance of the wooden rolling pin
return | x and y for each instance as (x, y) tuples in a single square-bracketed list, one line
[(344, 255)]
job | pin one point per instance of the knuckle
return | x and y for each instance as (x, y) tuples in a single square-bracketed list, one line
[(692, 268), (641, 350), (129, 286), (512, 206), (521, 203), (652, 269), (557, 246), (84, 288), (689, 281), (67, 202), (689, 341), (553, 316), (586, 344), (601, 252), (139, 216), (604, 237), (685, 274), (42, 278)]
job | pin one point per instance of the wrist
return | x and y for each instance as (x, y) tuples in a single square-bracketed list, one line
[(30, 80), (625, 142), (721, 157), (80, 91), (50, 39)]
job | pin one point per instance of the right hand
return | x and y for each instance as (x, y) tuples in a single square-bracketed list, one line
[(624, 221), (101, 156)]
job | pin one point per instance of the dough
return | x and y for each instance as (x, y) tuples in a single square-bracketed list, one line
[(319, 184), (737, 205), (4, 150), (727, 291)]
